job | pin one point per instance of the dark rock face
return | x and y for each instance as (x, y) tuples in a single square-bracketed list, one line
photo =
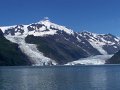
[(111, 49), (34, 27), (115, 59), (1, 34), (12, 31), (61, 52), (10, 54)]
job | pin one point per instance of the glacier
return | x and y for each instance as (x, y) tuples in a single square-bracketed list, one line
[(92, 60), (36, 57)]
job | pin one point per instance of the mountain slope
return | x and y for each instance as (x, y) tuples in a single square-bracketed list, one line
[(57, 49), (10, 54), (115, 59)]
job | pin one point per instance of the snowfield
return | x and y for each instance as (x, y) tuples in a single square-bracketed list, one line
[(93, 60)]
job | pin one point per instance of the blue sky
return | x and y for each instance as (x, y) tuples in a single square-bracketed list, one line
[(99, 16)]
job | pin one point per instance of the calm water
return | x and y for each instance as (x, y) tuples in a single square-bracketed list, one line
[(60, 78)]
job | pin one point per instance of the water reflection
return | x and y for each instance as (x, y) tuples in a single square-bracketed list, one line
[(98, 78), (60, 78)]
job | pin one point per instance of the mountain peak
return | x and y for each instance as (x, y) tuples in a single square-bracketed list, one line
[(44, 20), (48, 24)]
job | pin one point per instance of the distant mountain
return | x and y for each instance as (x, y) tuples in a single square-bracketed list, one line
[(46, 43), (10, 54)]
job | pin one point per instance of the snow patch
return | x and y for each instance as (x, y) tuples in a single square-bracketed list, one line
[(117, 39), (45, 33), (115, 46), (78, 39), (98, 46)]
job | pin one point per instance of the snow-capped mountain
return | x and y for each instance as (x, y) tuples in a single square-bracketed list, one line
[(47, 43)]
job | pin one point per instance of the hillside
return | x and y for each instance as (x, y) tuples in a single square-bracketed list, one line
[(10, 54)]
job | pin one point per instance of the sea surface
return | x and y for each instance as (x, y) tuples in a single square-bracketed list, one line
[(90, 77)]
